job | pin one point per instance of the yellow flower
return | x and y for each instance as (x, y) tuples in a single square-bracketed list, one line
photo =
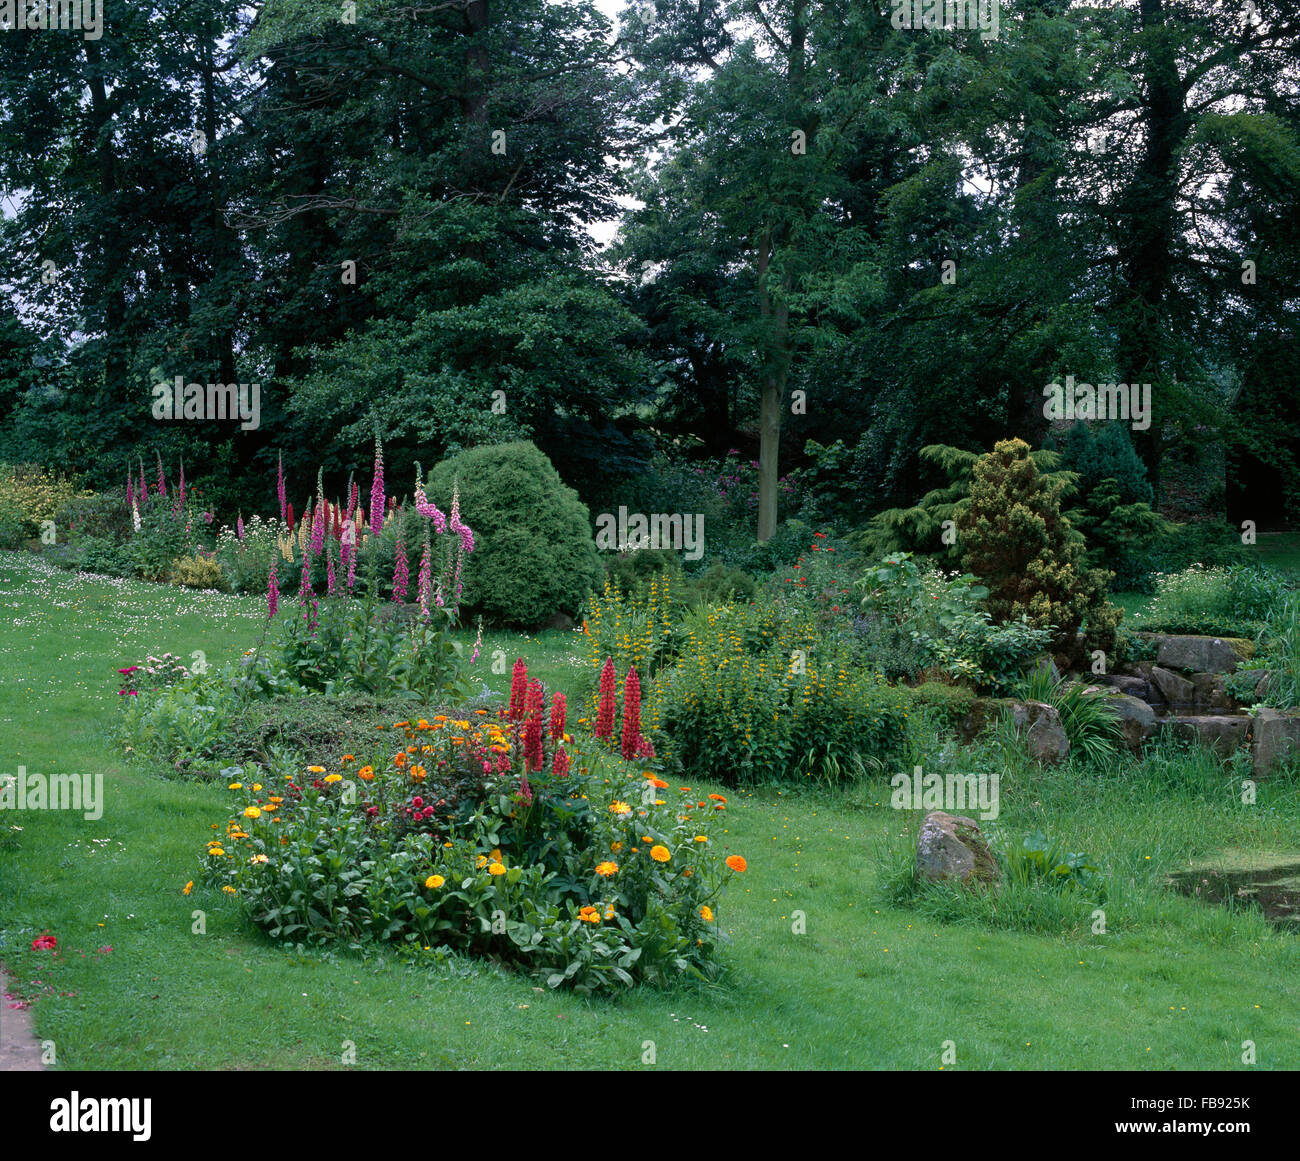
[(616, 847), (252, 812), (236, 786), (256, 787), (606, 869), (589, 914), (228, 889), (315, 769), (482, 862), (188, 887), (433, 882), (706, 914), (333, 777), (496, 869), (258, 859), (620, 808), (660, 854), (218, 851), (701, 838)]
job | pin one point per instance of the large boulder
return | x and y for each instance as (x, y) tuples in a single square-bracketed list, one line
[(1276, 736), (1222, 733), (1196, 654), (1210, 695), (952, 847), (1137, 720), (1177, 692), (1045, 736)]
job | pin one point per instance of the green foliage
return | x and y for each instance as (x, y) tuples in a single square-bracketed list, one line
[(1281, 654), (246, 564), (1018, 543), (758, 694), (353, 646), (1103, 453), (534, 553), (1088, 719), (1120, 536), (945, 621), (1204, 542), (575, 882), (197, 572), (1039, 859), (1229, 601), (920, 528), (13, 527), (34, 494), (163, 537), (950, 704), (101, 516)]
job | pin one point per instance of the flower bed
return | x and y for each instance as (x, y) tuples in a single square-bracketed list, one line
[(492, 835)]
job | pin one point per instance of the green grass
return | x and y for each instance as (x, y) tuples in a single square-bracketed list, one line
[(1174, 984)]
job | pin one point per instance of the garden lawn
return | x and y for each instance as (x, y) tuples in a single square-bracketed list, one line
[(1174, 985)]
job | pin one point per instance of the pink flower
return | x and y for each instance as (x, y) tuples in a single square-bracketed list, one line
[(400, 572), (560, 767), (44, 943), (525, 791), (425, 581), (557, 716), (272, 593), (377, 490), (239, 527), (279, 485)]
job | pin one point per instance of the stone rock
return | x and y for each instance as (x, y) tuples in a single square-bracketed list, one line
[(1222, 733), (951, 846), (1196, 654), (1276, 736), (1137, 720), (1045, 736), (1138, 687), (1211, 696), (1177, 692)]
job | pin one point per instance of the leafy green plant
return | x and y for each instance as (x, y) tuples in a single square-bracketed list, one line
[(536, 555), (197, 572), (1231, 600), (1018, 543), (1087, 717), (1037, 859)]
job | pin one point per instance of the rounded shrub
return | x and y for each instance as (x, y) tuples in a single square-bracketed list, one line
[(534, 555)]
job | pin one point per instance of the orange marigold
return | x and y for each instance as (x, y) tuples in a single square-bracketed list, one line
[(736, 863), (660, 854)]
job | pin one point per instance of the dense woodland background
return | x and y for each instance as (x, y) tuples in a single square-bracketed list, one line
[(1116, 188)]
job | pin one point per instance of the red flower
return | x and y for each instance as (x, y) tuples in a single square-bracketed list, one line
[(605, 712), (44, 943), (518, 687)]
